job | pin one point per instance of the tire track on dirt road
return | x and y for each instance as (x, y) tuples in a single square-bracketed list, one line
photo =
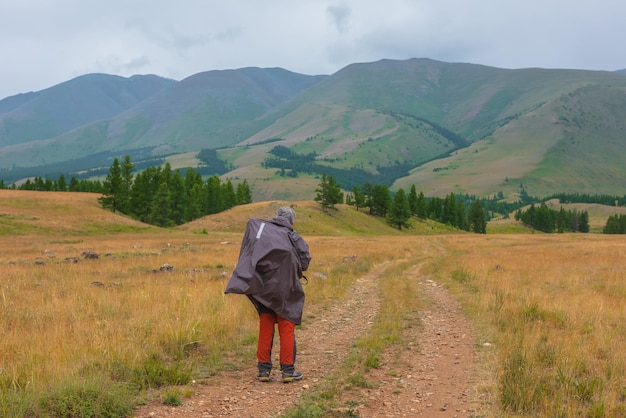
[(427, 374), (323, 343)]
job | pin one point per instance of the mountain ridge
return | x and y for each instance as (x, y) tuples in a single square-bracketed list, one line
[(518, 126)]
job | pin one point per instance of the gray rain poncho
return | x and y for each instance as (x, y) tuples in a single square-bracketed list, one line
[(271, 261)]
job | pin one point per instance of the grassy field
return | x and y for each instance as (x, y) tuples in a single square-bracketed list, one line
[(548, 310)]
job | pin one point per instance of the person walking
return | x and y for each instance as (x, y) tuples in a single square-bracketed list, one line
[(272, 259)]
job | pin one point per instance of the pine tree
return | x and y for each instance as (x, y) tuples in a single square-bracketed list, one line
[(194, 209), (139, 206), (400, 210), (213, 196), (61, 184), (461, 216), (179, 198), (244, 195), (229, 197), (434, 209), (413, 200), (583, 222), (328, 192), (160, 213), (421, 206), (477, 218), (112, 186), (126, 184), (543, 220), (381, 200), (448, 214)]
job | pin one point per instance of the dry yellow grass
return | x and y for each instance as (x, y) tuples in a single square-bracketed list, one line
[(552, 306)]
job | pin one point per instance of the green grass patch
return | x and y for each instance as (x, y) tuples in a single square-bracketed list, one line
[(89, 398)]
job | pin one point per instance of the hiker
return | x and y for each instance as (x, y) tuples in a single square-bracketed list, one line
[(271, 261)]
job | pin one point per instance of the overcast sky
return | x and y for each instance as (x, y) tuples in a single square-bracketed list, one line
[(46, 42)]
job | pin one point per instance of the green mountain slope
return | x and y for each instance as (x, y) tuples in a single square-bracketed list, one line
[(53, 111), (573, 143), (445, 127), (187, 115), (461, 128)]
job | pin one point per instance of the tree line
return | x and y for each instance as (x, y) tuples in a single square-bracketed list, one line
[(399, 207), (548, 220), (162, 197), (615, 224), (41, 184), (290, 164)]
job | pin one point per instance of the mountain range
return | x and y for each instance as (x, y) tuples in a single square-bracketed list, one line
[(443, 127)]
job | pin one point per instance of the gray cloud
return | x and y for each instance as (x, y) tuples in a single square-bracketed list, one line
[(340, 16), (43, 43)]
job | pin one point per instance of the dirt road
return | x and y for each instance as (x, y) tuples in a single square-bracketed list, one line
[(430, 375)]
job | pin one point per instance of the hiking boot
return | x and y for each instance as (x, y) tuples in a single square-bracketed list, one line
[(263, 376), (290, 376)]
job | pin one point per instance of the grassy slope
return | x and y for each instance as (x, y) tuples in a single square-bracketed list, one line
[(516, 112), (73, 214), (573, 144), (550, 130), (59, 213), (27, 213)]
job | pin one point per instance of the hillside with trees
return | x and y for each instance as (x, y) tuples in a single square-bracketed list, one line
[(447, 127)]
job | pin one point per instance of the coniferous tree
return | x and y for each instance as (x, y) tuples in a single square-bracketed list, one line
[(413, 200), (476, 218), (179, 198), (112, 186), (561, 221), (328, 192), (434, 209), (448, 213), (421, 206), (139, 207), (160, 213), (615, 224), (158, 193), (381, 200), (126, 184), (213, 196), (400, 210), (74, 185), (543, 220), (583, 222), (61, 184), (194, 209), (336, 195), (229, 197), (574, 224), (244, 194), (461, 216)]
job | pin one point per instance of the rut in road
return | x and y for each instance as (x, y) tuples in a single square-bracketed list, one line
[(426, 375)]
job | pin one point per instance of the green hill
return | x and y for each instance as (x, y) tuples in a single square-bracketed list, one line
[(69, 105), (445, 127)]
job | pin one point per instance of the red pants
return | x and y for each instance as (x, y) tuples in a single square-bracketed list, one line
[(266, 338)]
